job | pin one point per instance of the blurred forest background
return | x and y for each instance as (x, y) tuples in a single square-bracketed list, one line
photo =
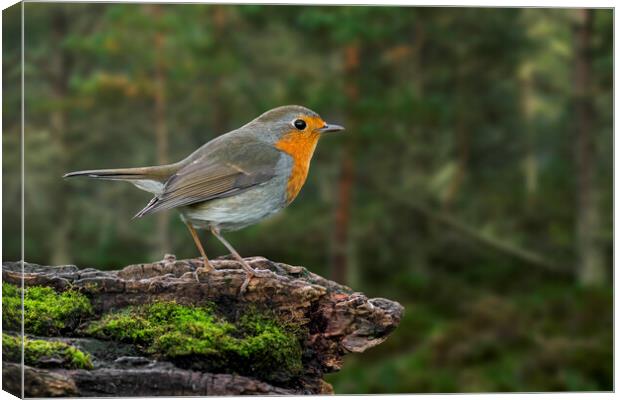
[(473, 184)]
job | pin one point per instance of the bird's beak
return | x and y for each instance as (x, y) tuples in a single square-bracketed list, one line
[(331, 128)]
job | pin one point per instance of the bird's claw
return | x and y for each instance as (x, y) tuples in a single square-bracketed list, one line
[(206, 268), (249, 274), (244, 285), (263, 273)]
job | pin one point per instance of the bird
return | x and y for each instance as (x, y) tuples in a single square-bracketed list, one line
[(234, 180)]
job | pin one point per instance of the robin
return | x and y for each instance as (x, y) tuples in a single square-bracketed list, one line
[(234, 180)]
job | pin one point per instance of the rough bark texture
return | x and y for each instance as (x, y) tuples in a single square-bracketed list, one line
[(336, 319)]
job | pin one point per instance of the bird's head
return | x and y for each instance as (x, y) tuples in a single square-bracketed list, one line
[(293, 123), (295, 131)]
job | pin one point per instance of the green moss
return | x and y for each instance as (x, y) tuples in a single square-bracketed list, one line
[(123, 326), (270, 342), (11, 348), (11, 307), (45, 311), (196, 337), (38, 353), (48, 312)]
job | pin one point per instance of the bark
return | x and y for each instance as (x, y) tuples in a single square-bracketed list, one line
[(160, 380), (60, 66), (335, 321), (590, 269), (340, 259), (221, 117), (161, 127), (346, 181)]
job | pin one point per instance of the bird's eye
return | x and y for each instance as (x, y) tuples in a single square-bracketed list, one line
[(300, 124)]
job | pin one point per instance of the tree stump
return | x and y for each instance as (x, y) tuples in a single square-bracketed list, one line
[(313, 321)]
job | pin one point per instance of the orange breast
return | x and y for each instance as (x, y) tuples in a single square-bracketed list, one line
[(300, 146)]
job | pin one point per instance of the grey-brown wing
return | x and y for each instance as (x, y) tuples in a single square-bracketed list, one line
[(231, 167)]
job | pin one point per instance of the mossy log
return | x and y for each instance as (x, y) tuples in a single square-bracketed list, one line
[(162, 329)]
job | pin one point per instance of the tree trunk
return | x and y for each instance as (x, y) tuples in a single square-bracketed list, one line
[(219, 18), (340, 242), (590, 268), (161, 128), (60, 65), (530, 163), (462, 139)]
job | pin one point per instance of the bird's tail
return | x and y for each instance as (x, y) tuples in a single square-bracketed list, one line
[(118, 173), (151, 179)]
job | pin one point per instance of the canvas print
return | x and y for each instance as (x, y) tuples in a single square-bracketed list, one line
[(229, 199)]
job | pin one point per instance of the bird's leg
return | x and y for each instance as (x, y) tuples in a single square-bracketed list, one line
[(206, 264), (249, 271)]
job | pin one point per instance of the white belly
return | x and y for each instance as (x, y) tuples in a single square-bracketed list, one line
[(238, 211)]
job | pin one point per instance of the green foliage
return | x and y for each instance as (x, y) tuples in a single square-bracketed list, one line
[(46, 312), (256, 344), (39, 353), (558, 340)]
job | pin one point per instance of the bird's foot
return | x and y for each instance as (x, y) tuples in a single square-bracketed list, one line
[(206, 268), (263, 273), (251, 273), (244, 285)]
